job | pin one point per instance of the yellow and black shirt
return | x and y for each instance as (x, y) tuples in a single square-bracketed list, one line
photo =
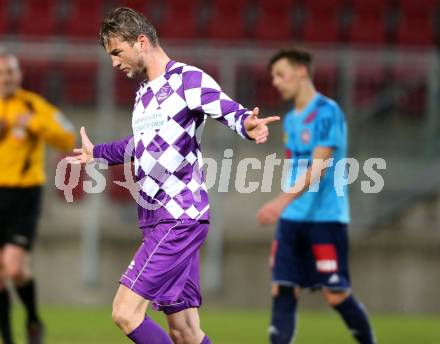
[(22, 150)]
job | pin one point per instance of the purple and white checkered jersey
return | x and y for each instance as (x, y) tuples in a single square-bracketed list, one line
[(168, 120)]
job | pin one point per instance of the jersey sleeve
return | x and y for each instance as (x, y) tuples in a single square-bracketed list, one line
[(50, 123), (330, 127), (115, 152), (203, 94)]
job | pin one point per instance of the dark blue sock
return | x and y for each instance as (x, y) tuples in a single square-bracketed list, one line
[(356, 318), (283, 316)]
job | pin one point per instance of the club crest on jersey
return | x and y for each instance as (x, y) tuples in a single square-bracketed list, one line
[(164, 93), (306, 136)]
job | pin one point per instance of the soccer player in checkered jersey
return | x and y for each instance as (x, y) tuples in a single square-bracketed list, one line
[(310, 249), (170, 110)]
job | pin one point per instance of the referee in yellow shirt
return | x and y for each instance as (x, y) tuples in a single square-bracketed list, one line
[(27, 123)]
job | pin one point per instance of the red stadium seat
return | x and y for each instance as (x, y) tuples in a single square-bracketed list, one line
[(369, 24), (138, 5), (38, 18), (4, 16), (125, 89), (36, 75), (275, 20), (84, 19), (325, 78), (261, 83), (369, 82), (322, 22), (79, 81), (227, 22), (179, 20), (416, 25), (413, 80)]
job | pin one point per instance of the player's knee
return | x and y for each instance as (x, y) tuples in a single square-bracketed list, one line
[(16, 273), (185, 335), (334, 298), (277, 289), (124, 318)]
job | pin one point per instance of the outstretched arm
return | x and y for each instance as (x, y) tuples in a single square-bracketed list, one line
[(204, 94), (114, 152)]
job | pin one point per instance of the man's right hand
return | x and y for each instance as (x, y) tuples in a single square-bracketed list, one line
[(85, 154)]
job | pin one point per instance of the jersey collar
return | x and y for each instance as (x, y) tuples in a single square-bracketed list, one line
[(309, 106)]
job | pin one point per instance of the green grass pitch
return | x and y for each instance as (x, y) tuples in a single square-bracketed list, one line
[(67, 325)]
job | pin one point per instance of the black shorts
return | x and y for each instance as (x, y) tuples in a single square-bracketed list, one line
[(19, 212), (311, 255)]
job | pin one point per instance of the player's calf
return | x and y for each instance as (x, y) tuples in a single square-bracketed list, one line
[(353, 313), (284, 301), (185, 327), (187, 335), (5, 314)]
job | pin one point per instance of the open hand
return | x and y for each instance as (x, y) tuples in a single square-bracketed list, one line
[(85, 153)]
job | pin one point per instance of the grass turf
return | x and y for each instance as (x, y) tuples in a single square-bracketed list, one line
[(70, 325)]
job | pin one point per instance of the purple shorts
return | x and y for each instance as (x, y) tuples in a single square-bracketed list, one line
[(165, 268)]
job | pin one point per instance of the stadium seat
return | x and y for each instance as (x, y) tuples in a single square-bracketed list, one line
[(228, 20), (125, 89), (275, 20), (84, 19), (369, 82), (369, 22), (258, 80), (38, 18), (138, 5), (36, 75), (4, 16), (79, 81), (416, 24), (179, 19), (322, 21), (325, 78), (413, 80), (208, 68)]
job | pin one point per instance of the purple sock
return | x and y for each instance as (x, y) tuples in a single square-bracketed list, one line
[(148, 332), (206, 340)]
